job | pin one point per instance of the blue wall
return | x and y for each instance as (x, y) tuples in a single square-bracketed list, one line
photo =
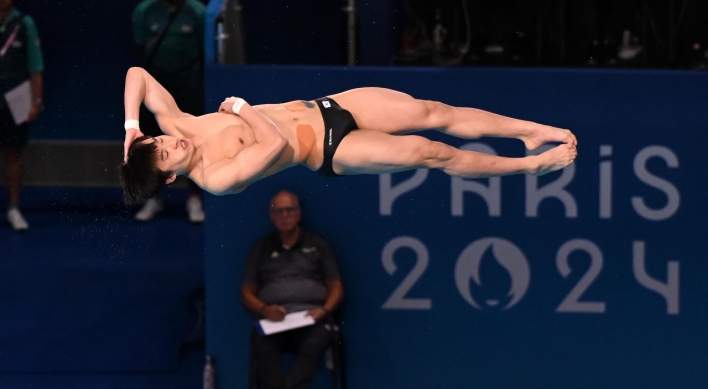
[(566, 297)]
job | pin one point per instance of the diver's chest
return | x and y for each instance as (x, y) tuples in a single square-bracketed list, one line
[(227, 143)]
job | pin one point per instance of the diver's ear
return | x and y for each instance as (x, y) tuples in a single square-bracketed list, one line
[(171, 179)]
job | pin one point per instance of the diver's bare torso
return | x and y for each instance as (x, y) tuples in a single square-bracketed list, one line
[(222, 136)]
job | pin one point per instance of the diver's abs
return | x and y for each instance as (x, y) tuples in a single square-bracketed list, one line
[(301, 123)]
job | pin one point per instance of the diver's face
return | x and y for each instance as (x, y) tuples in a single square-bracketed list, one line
[(173, 153)]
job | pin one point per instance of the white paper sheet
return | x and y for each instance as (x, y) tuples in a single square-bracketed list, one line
[(19, 100), (291, 321)]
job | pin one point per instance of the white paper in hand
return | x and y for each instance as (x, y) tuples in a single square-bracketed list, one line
[(291, 321), (19, 100)]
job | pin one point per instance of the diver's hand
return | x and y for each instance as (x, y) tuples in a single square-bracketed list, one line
[(228, 105), (131, 134)]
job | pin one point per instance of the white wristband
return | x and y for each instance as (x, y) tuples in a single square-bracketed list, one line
[(238, 105), (132, 123)]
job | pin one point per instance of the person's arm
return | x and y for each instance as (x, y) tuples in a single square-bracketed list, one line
[(235, 174), (37, 105), (264, 129), (335, 294), (333, 283), (35, 63), (249, 290), (249, 298), (141, 87)]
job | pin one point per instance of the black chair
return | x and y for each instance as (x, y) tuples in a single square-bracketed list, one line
[(335, 365)]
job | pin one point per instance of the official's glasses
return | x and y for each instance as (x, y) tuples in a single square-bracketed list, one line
[(284, 210)]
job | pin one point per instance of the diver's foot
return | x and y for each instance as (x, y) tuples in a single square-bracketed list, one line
[(556, 158), (541, 135)]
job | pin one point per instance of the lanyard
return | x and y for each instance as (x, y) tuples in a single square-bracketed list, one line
[(9, 41), (157, 41)]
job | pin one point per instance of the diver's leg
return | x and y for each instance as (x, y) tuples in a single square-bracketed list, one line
[(394, 112), (373, 152)]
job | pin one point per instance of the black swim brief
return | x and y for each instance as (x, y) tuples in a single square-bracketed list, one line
[(338, 123)]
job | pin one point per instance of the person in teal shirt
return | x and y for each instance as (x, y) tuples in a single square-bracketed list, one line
[(20, 61), (170, 37)]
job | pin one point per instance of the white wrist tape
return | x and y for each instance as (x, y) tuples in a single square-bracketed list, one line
[(132, 123), (238, 105)]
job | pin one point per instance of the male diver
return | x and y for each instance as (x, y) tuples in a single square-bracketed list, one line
[(360, 131)]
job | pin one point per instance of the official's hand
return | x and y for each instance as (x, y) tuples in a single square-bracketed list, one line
[(131, 134), (274, 312), (34, 112), (228, 105), (317, 313)]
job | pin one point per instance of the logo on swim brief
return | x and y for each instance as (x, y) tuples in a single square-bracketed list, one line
[(325, 104), (330, 137)]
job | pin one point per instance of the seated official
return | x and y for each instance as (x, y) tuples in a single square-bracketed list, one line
[(287, 271)]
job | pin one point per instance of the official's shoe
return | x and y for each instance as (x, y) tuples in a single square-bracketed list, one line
[(151, 208), (16, 220), (195, 211)]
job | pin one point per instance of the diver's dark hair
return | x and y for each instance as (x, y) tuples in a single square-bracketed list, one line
[(140, 176)]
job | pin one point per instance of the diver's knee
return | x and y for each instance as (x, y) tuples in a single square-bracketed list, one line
[(436, 114), (434, 154)]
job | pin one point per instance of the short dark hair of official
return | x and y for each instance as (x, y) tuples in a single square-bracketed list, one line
[(140, 177)]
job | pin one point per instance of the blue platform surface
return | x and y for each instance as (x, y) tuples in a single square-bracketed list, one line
[(89, 295), (186, 375)]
